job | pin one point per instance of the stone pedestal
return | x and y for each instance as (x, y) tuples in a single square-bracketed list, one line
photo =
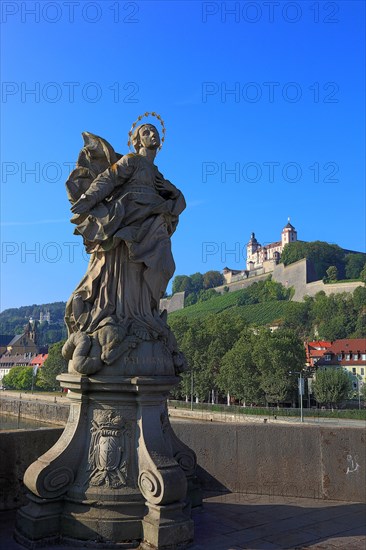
[(118, 474)]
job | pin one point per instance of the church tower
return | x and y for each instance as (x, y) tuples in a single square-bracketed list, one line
[(289, 234), (30, 330)]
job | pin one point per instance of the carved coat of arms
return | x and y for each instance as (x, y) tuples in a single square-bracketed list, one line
[(107, 460)]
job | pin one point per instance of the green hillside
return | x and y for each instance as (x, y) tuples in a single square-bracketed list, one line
[(12, 321), (258, 314)]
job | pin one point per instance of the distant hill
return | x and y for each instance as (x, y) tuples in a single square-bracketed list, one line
[(12, 321)]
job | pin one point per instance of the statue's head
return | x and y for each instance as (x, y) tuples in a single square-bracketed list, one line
[(145, 135)]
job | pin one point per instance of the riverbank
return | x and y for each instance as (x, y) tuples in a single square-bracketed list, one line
[(55, 407)]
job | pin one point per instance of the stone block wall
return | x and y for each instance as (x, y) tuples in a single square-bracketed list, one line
[(18, 449), (173, 303), (320, 462), (284, 460)]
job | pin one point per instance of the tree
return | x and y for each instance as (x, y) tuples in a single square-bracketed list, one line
[(332, 274), (332, 386), (354, 265), (360, 328), (190, 299), (359, 297), (196, 282), (321, 254), (293, 252), (212, 279), (205, 295), (19, 378), (277, 354), (239, 374), (54, 365), (334, 316), (298, 318), (363, 392), (181, 283), (264, 291), (363, 274)]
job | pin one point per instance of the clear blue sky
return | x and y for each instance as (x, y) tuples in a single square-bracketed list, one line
[(264, 113)]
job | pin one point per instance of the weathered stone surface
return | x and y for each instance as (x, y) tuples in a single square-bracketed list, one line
[(126, 212), (18, 449), (285, 460), (118, 473), (116, 461)]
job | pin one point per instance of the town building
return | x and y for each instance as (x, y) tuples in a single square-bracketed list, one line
[(315, 351), (26, 342), (22, 351), (8, 361), (348, 353), (5, 340)]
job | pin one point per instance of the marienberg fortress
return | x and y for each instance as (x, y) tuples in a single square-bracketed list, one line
[(263, 261)]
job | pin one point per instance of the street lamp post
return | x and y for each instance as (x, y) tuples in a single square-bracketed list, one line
[(301, 392), (34, 374), (359, 386), (191, 389), (301, 386)]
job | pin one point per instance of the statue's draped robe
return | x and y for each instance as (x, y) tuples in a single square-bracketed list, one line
[(128, 234)]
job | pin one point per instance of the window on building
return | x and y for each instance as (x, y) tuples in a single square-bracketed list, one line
[(327, 357), (347, 356), (339, 357), (355, 356), (354, 370), (363, 356), (362, 371)]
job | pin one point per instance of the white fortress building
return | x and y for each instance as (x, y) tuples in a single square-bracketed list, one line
[(262, 258), (257, 254)]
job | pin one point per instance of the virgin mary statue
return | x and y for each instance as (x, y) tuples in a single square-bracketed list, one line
[(125, 211)]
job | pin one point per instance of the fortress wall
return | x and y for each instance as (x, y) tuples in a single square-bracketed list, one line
[(174, 303), (334, 288), (242, 283), (299, 275), (293, 275)]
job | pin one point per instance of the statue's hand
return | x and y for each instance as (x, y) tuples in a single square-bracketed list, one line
[(159, 183), (165, 187), (83, 205)]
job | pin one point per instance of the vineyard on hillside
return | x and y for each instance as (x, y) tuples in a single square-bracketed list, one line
[(257, 314)]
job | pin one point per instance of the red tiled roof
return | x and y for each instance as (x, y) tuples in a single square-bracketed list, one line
[(317, 352), (39, 359), (319, 343), (348, 345)]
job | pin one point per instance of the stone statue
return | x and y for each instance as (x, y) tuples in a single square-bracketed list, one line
[(126, 212), (118, 474)]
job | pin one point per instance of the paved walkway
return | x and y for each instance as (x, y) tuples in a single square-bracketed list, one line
[(235, 522)]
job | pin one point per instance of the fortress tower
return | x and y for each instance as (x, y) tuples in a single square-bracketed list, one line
[(288, 235)]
